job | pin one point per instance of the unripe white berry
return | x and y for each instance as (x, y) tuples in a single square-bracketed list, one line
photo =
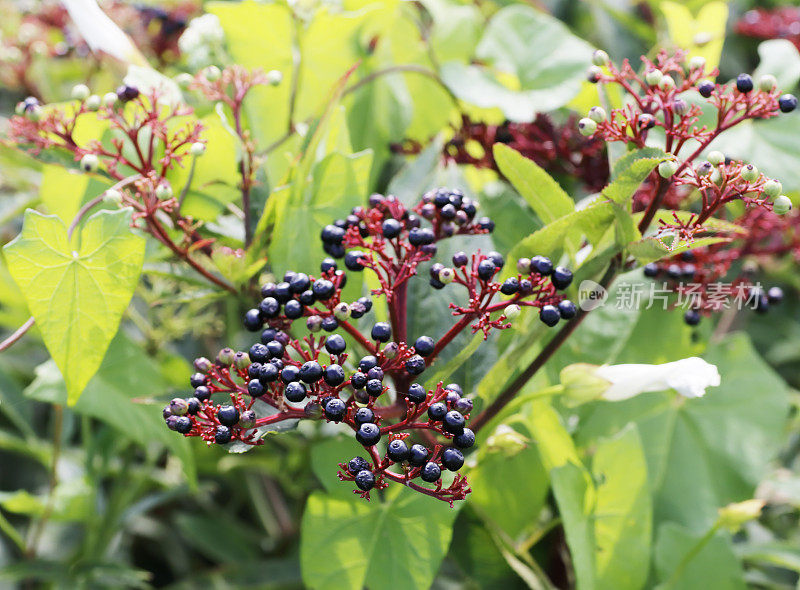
[(80, 92), (90, 163), (112, 197), (749, 173), (110, 99), (198, 149), (782, 205), (274, 77), (512, 311), (666, 83), (668, 168), (93, 102), (600, 58), (767, 83), (697, 63), (184, 80), (653, 77), (341, 311), (164, 191), (680, 107), (446, 275), (597, 114), (704, 168), (587, 127), (212, 73), (716, 158), (772, 188)]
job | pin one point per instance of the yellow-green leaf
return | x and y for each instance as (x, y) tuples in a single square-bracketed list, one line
[(702, 36), (77, 290)]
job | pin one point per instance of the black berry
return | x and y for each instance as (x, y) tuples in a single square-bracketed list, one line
[(398, 451), (437, 411), (561, 278), (465, 439), (365, 480), (431, 472), (333, 375), (335, 409), (541, 265), (416, 393), (363, 415), (311, 372), (787, 103), (549, 315), (228, 415), (415, 364), (424, 345), (381, 332), (252, 320), (452, 459), (417, 455), (567, 309), (368, 434), (295, 391), (357, 464), (744, 83), (453, 422), (222, 435)]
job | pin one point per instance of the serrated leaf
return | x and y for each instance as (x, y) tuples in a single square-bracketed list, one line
[(77, 293), (652, 249), (629, 172), (537, 187)]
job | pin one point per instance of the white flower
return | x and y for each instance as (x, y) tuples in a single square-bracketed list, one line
[(689, 377), (203, 30)]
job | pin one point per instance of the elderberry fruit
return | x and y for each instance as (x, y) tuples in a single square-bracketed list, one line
[(126, 93), (375, 373), (353, 260), (333, 375), (335, 409), (357, 464), (198, 379), (705, 88), (269, 372), (365, 480), (486, 269), (295, 391), (465, 439), (691, 317), (463, 405), (415, 364), (367, 362), (431, 472), (452, 459), (359, 380), (252, 320), (202, 393), (310, 372), (541, 265), (330, 323), (744, 83), (290, 373), (424, 346), (255, 388), (381, 332), (561, 278), (437, 411), (391, 228), (416, 393), (228, 415), (421, 236), (374, 387), (510, 286), (328, 264), (787, 103), (454, 422), (293, 309), (183, 424), (368, 434), (323, 289), (397, 451), (775, 295), (460, 259), (193, 406), (567, 309), (417, 455), (222, 435), (335, 344), (299, 283), (454, 387), (651, 270), (549, 315), (363, 415)]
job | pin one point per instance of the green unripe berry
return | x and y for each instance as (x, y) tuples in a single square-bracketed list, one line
[(197, 149), (767, 83), (241, 360), (597, 114), (587, 127), (20, 108), (697, 63), (668, 168), (212, 73), (716, 158), (772, 188), (34, 113), (90, 163), (446, 275), (93, 102), (110, 99), (600, 58), (225, 357), (653, 77), (512, 311), (749, 173), (782, 205), (274, 77), (80, 92), (164, 191)]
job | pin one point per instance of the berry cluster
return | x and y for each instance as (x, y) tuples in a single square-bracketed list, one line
[(690, 197), (558, 148), (374, 393)]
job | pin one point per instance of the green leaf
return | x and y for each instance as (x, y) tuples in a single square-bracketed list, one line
[(623, 512), (395, 542), (780, 58), (535, 64), (629, 172), (537, 187), (64, 190), (651, 249), (77, 292), (702, 36), (571, 490), (714, 565)]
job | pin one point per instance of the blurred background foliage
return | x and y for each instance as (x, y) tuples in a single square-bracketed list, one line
[(101, 494)]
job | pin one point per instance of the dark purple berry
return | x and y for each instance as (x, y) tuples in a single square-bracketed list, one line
[(368, 434), (397, 451), (549, 315), (452, 459), (252, 320), (431, 472), (365, 480)]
